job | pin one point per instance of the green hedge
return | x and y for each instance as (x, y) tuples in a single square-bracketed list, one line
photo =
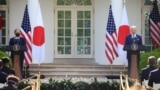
[(4, 54), (144, 57), (80, 85)]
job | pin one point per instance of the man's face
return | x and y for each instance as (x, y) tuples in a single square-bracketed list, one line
[(17, 32), (133, 30)]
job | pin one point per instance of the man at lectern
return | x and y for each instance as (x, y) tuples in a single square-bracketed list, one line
[(131, 39), (20, 41)]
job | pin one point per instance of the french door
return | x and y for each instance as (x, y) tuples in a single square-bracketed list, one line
[(73, 33)]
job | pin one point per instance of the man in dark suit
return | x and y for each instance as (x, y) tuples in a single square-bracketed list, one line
[(3, 75), (130, 39), (20, 41), (154, 76), (145, 71), (6, 65)]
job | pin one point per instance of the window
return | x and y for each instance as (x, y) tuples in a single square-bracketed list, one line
[(73, 31), (2, 2), (3, 12), (76, 2), (147, 6)]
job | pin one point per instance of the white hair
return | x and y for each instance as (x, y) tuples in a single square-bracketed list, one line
[(158, 61), (133, 26)]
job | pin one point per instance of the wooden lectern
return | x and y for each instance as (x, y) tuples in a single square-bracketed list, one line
[(16, 50), (134, 49)]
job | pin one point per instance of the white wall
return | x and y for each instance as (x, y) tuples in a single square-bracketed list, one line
[(101, 16), (101, 9), (16, 11)]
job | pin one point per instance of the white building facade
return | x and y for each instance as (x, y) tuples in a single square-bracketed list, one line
[(75, 29)]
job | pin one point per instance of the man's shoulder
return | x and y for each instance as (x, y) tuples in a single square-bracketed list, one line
[(22, 38), (12, 38), (8, 70), (155, 71), (138, 35), (148, 68), (129, 35), (3, 73), (145, 69)]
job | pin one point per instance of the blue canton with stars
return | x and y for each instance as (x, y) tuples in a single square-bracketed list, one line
[(26, 22), (111, 28)]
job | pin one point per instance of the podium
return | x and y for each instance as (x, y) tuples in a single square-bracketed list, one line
[(134, 50), (16, 51)]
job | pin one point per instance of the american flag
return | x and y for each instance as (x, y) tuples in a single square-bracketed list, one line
[(26, 33), (154, 21), (111, 38)]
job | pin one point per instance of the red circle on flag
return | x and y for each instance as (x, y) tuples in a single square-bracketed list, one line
[(38, 35), (124, 30)]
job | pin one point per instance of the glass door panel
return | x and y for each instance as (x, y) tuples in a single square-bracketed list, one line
[(64, 38), (73, 34), (83, 33)]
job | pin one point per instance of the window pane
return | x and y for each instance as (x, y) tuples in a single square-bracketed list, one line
[(60, 41), (87, 14), (60, 14), (3, 32), (87, 2), (4, 40), (60, 32), (76, 2), (147, 41), (68, 50), (87, 41), (80, 50), (60, 2), (67, 14), (67, 32), (68, 23), (147, 31), (87, 23), (80, 41), (60, 23), (148, 2), (80, 14), (3, 14), (80, 23), (87, 50), (80, 32), (2, 2), (87, 32), (67, 41), (4, 23), (60, 50), (79, 2)]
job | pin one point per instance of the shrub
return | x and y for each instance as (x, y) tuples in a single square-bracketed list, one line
[(144, 57), (4, 54)]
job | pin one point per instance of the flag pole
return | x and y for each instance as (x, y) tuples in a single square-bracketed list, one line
[(111, 68), (25, 71)]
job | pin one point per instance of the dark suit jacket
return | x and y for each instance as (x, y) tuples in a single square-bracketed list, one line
[(20, 41), (154, 76), (9, 88), (3, 77), (145, 72), (8, 70), (129, 41)]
